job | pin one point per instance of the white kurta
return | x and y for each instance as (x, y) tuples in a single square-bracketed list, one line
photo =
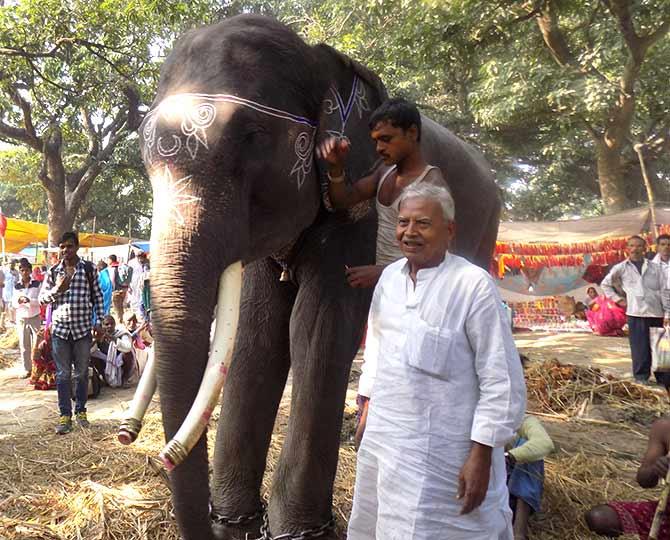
[(445, 372)]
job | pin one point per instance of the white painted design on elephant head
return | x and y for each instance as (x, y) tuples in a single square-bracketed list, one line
[(194, 117), (361, 100), (357, 98), (304, 146), (195, 113), (171, 195)]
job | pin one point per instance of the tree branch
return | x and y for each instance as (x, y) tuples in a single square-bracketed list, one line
[(37, 70), (554, 38), (653, 37), (12, 51), (14, 134), (620, 9), (595, 135), (86, 174), (26, 111), (91, 133)]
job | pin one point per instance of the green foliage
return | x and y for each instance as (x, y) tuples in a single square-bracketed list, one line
[(73, 73), (121, 194), (484, 69)]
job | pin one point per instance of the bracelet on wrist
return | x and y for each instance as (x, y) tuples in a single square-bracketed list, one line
[(335, 179)]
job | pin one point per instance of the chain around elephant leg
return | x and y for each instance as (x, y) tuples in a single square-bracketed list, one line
[(326, 531), (238, 527)]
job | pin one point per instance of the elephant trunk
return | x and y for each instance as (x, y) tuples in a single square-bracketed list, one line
[(197, 239), (221, 352)]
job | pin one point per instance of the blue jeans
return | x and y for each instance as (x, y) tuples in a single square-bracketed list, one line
[(66, 353)]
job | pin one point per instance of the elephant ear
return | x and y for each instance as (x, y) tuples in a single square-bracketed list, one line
[(352, 92)]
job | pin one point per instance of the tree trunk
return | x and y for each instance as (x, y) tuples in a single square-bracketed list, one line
[(610, 178), (59, 219)]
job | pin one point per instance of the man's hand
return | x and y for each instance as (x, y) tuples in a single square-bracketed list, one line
[(666, 321), (360, 429), (363, 276), (660, 467), (622, 303), (473, 481), (334, 151), (23, 300)]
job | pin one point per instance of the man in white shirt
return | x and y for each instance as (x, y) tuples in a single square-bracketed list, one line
[(448, 391), (26, 304), (647, 302)]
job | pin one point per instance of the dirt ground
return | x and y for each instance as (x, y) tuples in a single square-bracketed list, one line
[(28, 416)]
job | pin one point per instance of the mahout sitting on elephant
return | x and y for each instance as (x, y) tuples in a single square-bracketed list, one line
[(229, 147)]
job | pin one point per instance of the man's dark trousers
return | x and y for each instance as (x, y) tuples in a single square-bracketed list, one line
[(640, 348)]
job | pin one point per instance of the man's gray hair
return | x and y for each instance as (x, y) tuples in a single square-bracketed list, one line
[(431, 192)]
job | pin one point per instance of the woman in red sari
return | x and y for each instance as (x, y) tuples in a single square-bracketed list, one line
[(606, 317)]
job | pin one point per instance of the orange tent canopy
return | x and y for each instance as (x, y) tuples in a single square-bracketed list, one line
[(20, 234)]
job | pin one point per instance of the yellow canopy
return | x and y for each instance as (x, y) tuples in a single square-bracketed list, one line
[(20, 234)]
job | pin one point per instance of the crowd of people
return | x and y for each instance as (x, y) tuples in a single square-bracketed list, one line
[(69, 340)]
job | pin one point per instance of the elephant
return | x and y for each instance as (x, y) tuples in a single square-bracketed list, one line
[(242, 227)]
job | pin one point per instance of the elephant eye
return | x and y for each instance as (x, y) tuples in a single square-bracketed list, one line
[(254, 132)]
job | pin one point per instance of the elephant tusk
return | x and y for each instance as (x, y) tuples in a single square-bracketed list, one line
[(227, 316), (131, 426)]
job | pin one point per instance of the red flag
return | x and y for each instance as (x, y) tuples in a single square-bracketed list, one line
[(3, 225)]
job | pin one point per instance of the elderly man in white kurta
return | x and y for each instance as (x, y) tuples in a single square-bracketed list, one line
[(448, 391)]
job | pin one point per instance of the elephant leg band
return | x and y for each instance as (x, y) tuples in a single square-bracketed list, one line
[(307, 534)]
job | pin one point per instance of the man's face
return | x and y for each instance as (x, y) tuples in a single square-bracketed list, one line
[(68, 250), (423, 233), (663, 248), (25, 273), (108, 325), (636, 248), (392, 143)]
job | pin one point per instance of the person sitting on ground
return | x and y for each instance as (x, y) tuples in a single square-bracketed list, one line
[(43, 376), (112, 353), (606, 317), (525, 472), (617, 517), (395, 128), (591, 295), (140, 333)]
